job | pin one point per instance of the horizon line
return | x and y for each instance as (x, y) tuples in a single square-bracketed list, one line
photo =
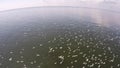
[(58, 7)]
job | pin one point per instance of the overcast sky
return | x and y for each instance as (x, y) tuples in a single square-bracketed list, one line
[(13, 4)]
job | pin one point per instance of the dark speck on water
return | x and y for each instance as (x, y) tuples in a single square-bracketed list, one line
[(59, 38)]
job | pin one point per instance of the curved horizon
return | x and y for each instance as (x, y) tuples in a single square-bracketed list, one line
[(13, 4), (61, 7)]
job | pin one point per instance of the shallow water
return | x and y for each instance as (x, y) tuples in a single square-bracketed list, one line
[(59, 38)]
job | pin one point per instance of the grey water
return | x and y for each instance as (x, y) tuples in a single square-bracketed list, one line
[(63, 37)]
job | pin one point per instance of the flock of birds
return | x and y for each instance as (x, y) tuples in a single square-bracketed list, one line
[(73, 45)]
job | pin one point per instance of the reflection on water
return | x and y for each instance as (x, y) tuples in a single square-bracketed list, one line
[(60, 38)]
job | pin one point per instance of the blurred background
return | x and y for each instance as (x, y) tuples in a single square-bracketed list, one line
[(102, 4)]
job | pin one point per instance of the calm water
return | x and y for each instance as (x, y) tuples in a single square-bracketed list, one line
[(59, 38)]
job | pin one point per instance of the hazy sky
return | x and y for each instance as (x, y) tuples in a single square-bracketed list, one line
[(13, 4)]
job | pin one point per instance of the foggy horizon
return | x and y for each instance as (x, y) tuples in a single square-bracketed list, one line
[(14, 4)]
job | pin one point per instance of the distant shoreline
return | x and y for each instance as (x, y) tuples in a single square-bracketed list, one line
[(102, 9)]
